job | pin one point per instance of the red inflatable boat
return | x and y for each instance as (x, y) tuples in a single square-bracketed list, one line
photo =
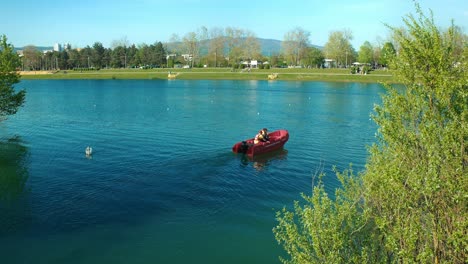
[(277, 140)]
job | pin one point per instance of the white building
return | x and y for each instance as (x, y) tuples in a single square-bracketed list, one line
[(57, 47), (252, 64), (171, 56), (187, 57), (255, 63), (329, 63)]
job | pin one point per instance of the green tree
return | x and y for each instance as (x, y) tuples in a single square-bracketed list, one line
[(314, 57), (366, 53), (216, 45), (119, 57), (191, 44), (132, 56), (326, 230), (251, 46), (203, 39), (73, 58), (416, 179), (106, 59), (387, 54), (339, 48), (456, 35), (144, 55), (10, 100), (295, 45), (377, 51), (85, 57), (277, 60), (410, 205), (97, 55), (31, 58), (49, 61), (234, 37), (159, 55), (63, 59)]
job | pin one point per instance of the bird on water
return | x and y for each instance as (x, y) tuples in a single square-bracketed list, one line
[(89, 151)]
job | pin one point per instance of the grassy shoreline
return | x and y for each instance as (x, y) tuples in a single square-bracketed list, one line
[(329, 75)]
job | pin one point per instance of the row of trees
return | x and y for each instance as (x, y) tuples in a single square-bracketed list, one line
[(97, 56), (226, 47), (410, 205), (217, 52), (218, 47)]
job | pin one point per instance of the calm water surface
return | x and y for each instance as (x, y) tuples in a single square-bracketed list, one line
[(162, 185)]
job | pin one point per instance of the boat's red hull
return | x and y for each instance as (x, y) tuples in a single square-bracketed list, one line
[(277, 140)]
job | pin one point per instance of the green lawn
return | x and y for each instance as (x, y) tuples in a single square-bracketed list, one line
[(335, 75)]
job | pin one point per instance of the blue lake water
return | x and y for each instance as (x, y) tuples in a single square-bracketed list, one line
[(162, 185)]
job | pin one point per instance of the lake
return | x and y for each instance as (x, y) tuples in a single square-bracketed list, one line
[(162, 184)]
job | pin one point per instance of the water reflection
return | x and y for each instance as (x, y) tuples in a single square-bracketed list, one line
[(261, 162), (13, 168)]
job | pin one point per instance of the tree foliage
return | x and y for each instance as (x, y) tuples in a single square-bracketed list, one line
[(119, 57), (314, 57), (295, 45), (251, 46), (98, 52), (10, 100), (150, 55), (339, 48), (459, 40), (216, 46), (387, 53), (416, 180), (410, 205), (326, 230), (366, 53), (31, 58), (234, 41), (192, 44)]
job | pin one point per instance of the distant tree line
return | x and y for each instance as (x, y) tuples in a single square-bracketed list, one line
[(218, 47), (95, 57), (297, 51)]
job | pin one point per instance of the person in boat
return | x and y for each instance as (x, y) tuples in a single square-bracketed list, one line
[(262, 136)]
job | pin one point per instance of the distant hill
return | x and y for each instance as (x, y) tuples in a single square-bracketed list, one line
[(273, 46), (268, 46), (41, 48)]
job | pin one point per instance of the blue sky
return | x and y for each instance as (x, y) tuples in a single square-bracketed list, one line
[(81, 23)]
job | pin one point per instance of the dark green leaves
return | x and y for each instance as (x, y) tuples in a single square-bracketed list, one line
[(10, 100)]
